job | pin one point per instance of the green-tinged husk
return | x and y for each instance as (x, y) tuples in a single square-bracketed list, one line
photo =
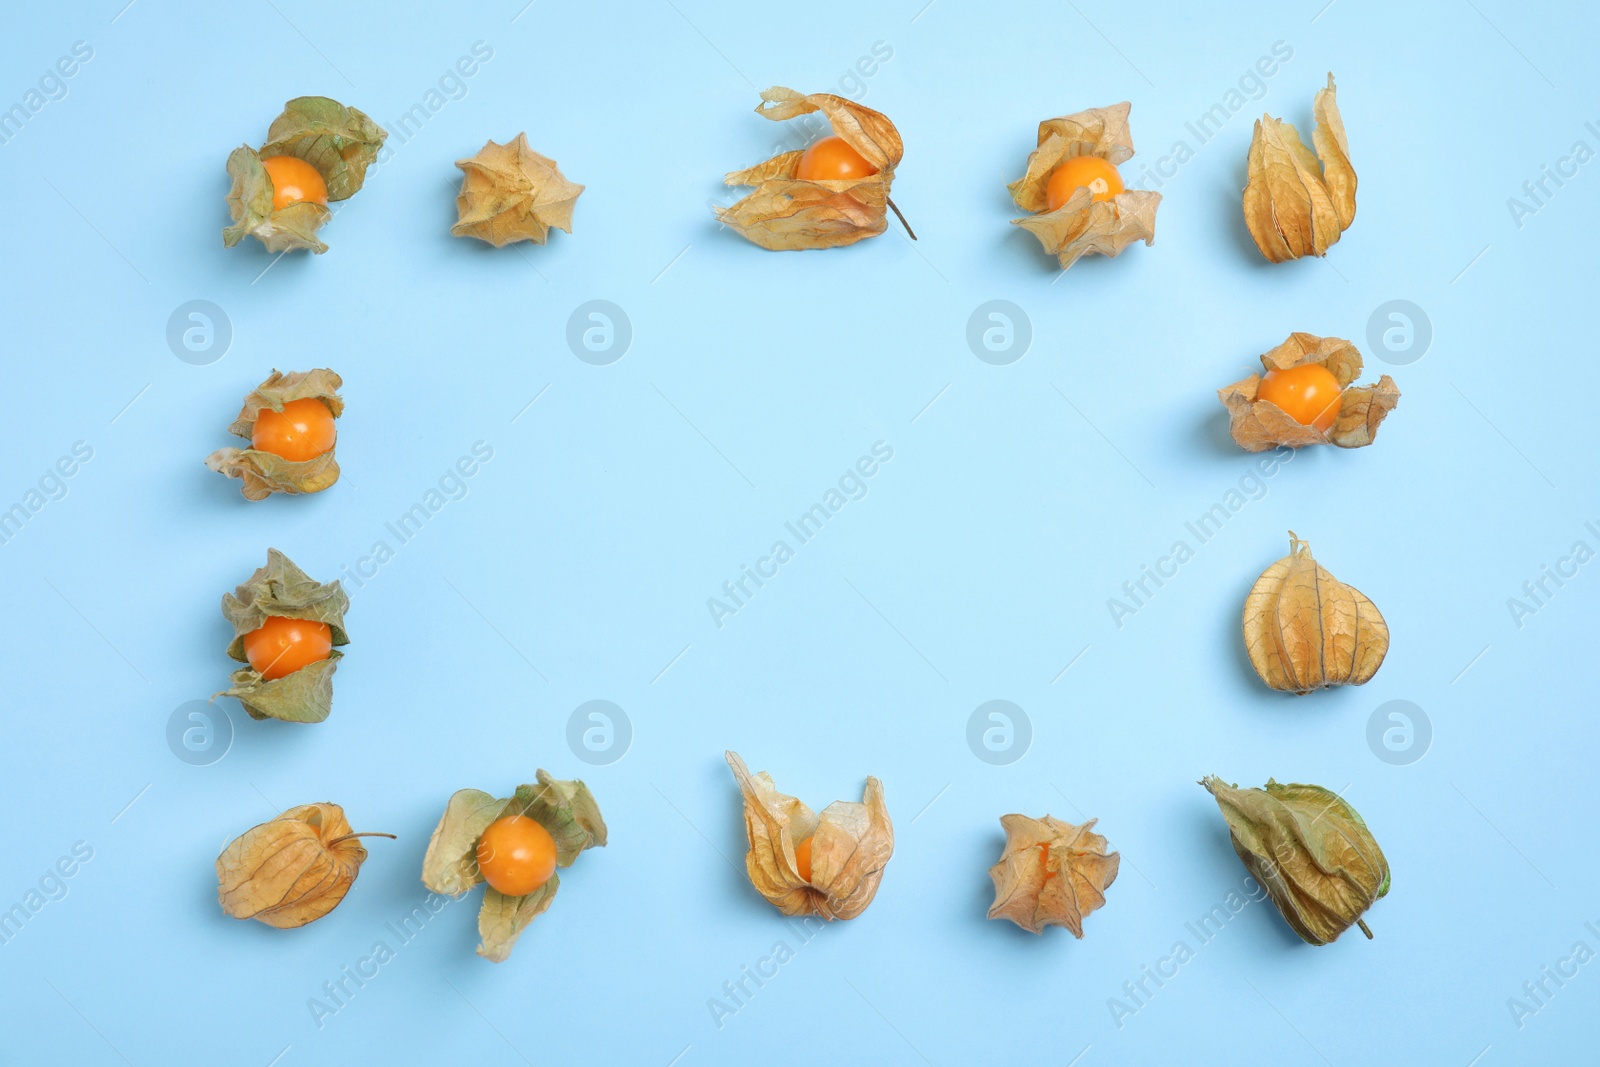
[(1310, 850), (565, 808), (340, 142), (281, 589), (264, 473)]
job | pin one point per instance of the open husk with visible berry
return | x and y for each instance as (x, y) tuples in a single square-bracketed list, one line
[(1257, 425), (1305, 630), (340, 142), (785, 213), (1084, 226), (565, 808), (1296, 203), (850, 846), (511, 193), (293, 869), (282, 590), (1051, 873), (265, 473)]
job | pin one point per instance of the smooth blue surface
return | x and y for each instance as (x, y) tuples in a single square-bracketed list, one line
[(978, 565)]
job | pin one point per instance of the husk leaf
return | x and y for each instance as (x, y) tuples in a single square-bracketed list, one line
[(1297, 203), (1051, 873), (291, 870), (510, 193), (265, 473), (1084, 226), (784, 213), (850, 846), (1304, 629), (341, 142), (1310, 850), (292, 229), (282, 589), (565, 808), (1257, 425)]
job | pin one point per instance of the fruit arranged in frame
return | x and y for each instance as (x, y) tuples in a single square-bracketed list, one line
[(832, 159), (1306, 396), (288, 628), (1295, 203), (516, 855), (289, 421), (303, 430), (281, 645), (294, 180), (836, 192), (487, 840), (511, 193), (317, 151), (292, 870), (1082, 172), (1051, 873), (805, 863), (1304, 629), (1079, 205), (1310, 850)]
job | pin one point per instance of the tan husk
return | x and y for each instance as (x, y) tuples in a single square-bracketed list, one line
[(1084, 226), (784, 213), (850, 845), (1304, 629), (292, 870), (1297, 203), (340, 142), (265, 473), (566, 808), (1051, 873), (510, 193), (1257, 425), (283, 590), (1310, 850)]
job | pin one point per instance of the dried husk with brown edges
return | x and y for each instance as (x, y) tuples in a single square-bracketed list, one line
[(265, 473), (850, 846), (281, 589), (1305, 630), (1051, 873), (340, 142), (1296, 203), (1257, 425), (1310, 850), (511, 193), (565, 808), (291, 870), (1084, 226), (784, 213)]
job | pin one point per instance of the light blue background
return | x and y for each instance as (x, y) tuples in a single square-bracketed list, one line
[(978, 566)]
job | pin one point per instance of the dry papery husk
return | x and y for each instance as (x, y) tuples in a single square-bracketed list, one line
[(340, 142), (1051, 873), (1083, 225), (1296, 203), (1310, 850), (1257, 425), (850, 845), (565, 808), (265, 473), (293, 869), (1305, 629), (282, 589), (784, 213), (511, 193)]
